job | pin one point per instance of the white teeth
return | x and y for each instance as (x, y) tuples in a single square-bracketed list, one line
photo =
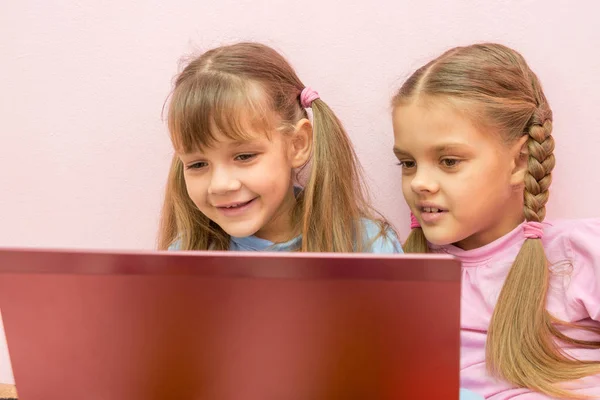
[(236, 205), (431, 209)]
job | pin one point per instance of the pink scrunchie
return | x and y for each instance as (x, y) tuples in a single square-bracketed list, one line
[(414, 222), (533, 230), (308, 96)]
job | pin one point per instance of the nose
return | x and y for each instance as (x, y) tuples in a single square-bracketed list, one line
[(424, 182), (223, 181)]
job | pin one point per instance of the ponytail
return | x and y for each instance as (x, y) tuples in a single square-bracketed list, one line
[(416, 242), (521, 344), (333, 192)]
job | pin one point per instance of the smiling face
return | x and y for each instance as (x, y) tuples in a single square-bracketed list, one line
[(463, 183), (246, 185)]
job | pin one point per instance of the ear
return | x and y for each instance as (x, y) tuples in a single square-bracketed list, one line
[(520, 157), (301, 143)]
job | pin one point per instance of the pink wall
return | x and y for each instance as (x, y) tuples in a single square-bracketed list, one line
[(83, 150)]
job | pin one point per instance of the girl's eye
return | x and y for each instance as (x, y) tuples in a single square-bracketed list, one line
[(245, 157), (407, 164), (450, 162), (197, 165)]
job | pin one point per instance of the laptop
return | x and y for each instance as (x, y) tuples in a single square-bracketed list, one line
[(230, 325)]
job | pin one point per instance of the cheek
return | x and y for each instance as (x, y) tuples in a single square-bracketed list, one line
[(495, 180), (276, 171), (196, 189), (406, 187), (271, 180), (486, 187)]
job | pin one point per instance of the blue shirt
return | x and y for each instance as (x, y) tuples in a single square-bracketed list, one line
[(468, 395), (387, 243)]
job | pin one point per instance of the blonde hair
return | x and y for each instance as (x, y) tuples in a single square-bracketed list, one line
[(504, 94), (224, 90)]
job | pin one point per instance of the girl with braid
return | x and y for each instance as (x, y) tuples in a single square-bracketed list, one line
[(473, 135)]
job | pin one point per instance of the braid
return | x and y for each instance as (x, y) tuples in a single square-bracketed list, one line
[(522, 324), (540, 164)]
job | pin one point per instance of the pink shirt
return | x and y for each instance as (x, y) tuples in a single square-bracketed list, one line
[(573, 250)]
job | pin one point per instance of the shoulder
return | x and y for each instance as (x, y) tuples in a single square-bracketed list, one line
[(582, 245), (576, 243), (577, 235), (175, 246), (583, 237), (379, 238), (575, 240)]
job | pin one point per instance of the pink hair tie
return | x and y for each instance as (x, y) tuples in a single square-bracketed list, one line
[(307, 97), (414, 222), (533, 230)]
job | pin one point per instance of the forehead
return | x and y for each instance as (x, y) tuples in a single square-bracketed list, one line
[(225, 143), (422, 125)]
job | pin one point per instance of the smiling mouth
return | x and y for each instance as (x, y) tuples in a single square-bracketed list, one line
[(236, 205)]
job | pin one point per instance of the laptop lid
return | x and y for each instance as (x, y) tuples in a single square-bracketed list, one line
[(229, 325)]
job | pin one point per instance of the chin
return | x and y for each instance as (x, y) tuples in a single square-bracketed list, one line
[(440, 241), (241, 229), (240, 232), (439, 238)]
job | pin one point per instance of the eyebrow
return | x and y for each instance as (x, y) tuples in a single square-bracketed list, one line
[(440, 149), (447, 147), (241, 143), (232, 145), (400, 152)]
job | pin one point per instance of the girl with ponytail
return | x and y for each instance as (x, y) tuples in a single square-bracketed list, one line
[(241, 133)]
